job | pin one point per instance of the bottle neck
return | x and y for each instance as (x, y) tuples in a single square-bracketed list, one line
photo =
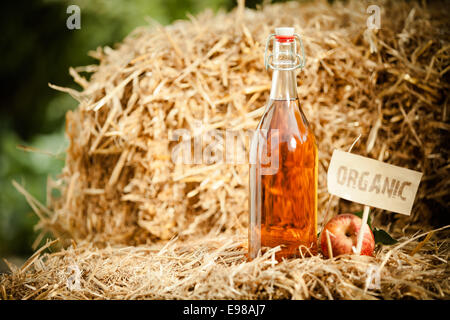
[(284, 84)]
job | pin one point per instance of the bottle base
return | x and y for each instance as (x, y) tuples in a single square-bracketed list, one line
[(287, 250), (290, 252)]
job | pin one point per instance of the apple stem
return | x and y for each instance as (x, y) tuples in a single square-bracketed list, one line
[(362, 229)]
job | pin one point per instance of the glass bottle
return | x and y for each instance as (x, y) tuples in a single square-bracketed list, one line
[(283, 162)]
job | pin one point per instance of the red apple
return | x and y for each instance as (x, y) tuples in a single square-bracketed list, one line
[(343, 232)]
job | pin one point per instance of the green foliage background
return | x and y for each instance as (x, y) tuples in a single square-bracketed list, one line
[(37, 48)]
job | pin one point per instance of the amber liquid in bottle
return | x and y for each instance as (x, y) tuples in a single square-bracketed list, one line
[(283, 176)]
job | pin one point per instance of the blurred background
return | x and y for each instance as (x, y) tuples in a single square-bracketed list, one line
[(37, 48)]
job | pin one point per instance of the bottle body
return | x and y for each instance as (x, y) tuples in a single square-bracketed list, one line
[(283, 169), (283, 164)]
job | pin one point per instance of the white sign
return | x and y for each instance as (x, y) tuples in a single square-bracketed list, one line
[(372, 182)]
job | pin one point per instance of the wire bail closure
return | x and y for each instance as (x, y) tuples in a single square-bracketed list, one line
[(300, 59)]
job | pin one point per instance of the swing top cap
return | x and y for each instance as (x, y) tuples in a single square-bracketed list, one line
[(284, 31)]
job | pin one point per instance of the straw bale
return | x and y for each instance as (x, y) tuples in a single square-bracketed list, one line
[(120, 185)]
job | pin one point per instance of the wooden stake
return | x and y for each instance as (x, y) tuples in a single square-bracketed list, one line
[(362, 229), (330, 250)]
